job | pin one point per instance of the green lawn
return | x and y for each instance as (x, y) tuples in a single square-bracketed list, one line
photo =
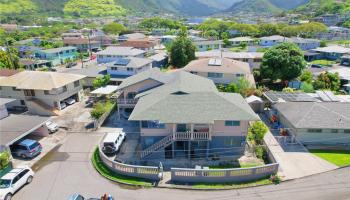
[(109, 174), (340, 158), (323, 62), (238, 49), (265, 181)]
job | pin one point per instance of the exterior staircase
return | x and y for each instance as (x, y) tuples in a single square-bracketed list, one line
[(178, 136), (38, 107)]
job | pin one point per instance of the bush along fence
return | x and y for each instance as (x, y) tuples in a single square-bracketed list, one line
[(107, 110), (143, 172)]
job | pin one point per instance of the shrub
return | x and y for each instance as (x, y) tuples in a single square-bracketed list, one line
[(275, 179), (4, 159), (256, 132), (101, 108)]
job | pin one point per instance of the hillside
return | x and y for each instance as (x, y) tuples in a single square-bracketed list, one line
[(17, 7), (96, 8), (320, 7), (254, 6)]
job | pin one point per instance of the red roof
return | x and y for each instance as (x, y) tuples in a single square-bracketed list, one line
[(8, 72)]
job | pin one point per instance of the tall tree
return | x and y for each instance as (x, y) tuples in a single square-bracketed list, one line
[(114, 28), (182, 50), (284, 61)]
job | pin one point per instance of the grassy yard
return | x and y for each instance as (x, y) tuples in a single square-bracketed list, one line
[(109, 174), (265, 181), (323, 62), (238, 49), (340, 158)]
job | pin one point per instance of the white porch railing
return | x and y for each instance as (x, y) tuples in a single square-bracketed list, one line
[(127, 101), (177, 136)]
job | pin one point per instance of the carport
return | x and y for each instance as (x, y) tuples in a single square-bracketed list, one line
[(15, 127)]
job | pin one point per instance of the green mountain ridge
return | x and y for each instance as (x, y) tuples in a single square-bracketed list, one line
[(320, 7)]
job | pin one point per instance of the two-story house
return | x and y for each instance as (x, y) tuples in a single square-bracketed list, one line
[(42, 92), (221, 70), (57, 56), (182, 115), (128, 66), (111, 54)]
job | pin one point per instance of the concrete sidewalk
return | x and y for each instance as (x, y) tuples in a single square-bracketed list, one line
[(297, 162)]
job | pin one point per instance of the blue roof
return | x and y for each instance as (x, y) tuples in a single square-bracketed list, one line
[(27, 142)]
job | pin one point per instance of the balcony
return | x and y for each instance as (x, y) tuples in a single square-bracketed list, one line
[(191, 136), (127, 101)]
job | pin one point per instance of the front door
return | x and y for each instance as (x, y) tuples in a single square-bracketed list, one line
[(181, 128)]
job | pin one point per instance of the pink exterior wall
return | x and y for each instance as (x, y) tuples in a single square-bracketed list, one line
[(219, 129), (157, 132), (149, 83)]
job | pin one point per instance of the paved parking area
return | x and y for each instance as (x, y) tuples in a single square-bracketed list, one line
[(296, 162), (68, 170)]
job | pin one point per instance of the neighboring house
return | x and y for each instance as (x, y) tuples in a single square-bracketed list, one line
[(329, 19), (129, 66), (159, 60), (57, 56), (14, 127), (131, 36), (102, 40), (146, 45), (253, 58), (241, 40), (335, 33), (90, 73), (184, 116), (42, 92), (272, 40), (331, 52), (208, 45), (75, 35), (31, 64), (111, 54), (82, 44), (316, 123), (306, 44), (221, 70)]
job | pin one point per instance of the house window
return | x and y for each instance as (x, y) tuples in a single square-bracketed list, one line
[(152, 124), (232, 123), (15, 89), (215, 75), (347, 131), (22, 103), (46, 92), (334, 130), (314, 130), (239, 75), (29, 93), (129, 69), (114, 68), (76, 84)]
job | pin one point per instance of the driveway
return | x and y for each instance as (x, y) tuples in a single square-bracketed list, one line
[(68, 170)]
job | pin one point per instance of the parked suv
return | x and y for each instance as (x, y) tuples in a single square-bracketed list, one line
[(13, 181), (26, 148), (112, 142)]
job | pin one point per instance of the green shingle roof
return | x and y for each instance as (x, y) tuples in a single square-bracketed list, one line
[(190, 98)]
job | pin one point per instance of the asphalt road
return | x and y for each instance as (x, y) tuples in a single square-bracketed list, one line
[(68, 170)]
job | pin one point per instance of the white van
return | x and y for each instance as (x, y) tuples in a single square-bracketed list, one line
[(112, 142)]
